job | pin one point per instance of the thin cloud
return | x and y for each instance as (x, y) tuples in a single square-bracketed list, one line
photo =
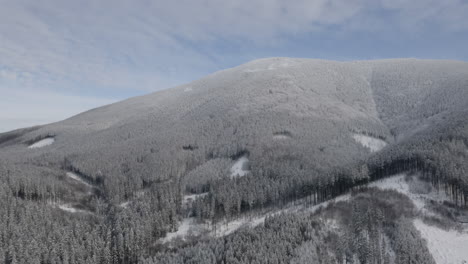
[(132, 46)]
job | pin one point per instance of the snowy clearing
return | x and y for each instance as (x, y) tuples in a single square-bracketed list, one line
[(240, 167), (42, 143), (188, 89), (399, 184), (447, 247), (77, 178), (186, 227), (373, 144)]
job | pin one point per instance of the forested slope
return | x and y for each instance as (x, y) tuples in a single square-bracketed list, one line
[(295, 121)]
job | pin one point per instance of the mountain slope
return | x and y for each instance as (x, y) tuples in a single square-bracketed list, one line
[(292, 128), (315, 102)]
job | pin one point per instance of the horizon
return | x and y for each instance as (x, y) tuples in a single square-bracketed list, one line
[(250, 61)]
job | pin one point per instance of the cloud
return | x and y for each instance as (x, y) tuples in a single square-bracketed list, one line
[(115, 47), (149, 45)]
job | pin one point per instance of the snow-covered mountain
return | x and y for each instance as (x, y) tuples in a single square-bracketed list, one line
[(261, 134)]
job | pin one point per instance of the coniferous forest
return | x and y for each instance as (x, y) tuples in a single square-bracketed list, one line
[(260, 163)]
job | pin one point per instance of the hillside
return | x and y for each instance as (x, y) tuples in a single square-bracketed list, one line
[(259, 135)]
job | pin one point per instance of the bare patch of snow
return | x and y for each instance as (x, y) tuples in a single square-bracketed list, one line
[(224, 229), (77, 178), (240, 167), (372, 143), (188, 89), (398, 183), (42, 143), (68, 208), (186, 228), (331, 224), (446, 247), (124, 204)]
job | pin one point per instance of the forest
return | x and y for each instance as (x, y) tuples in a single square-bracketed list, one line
[(114, 180)]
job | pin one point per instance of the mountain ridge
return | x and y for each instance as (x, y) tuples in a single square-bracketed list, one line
[(116, 181)]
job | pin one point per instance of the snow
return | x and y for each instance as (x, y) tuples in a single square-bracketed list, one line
[(269, 64), (190, 198), (398, 183), (238, 169), (191, 226), (68, 208), (42, 143), (138, 194), (373, 144), (124, 204), (447, 247), (188, 89), (224, 229), (77, 178), (186, 227), (281, 137)]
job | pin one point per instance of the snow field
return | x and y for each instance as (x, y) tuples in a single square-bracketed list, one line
[(446, 247), (399, 184), (239, 169), (187, 227), (42, 143), (373, 144)]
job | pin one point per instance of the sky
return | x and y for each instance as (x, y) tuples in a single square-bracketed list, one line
[(61, 57)]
